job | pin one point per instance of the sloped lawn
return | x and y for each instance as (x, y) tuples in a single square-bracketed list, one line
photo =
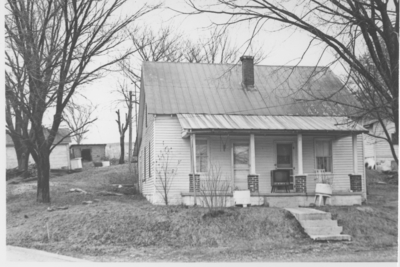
[(128, 228)]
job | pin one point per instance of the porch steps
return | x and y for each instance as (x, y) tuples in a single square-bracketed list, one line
[(318, 224)]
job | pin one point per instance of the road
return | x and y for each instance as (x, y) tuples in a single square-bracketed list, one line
[(26, 254)]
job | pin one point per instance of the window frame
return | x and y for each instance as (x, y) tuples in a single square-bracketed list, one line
[(144, 164), (149, 159), (329, 140), (294, 150), (208, 154)]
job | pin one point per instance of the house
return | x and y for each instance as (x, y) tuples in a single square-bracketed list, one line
[(377, 151), (59, 157), (243, 122), (88, 152)]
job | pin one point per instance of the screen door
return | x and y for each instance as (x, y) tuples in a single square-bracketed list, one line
[(241, 165)]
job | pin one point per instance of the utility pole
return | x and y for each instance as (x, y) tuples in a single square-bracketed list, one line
[(130, 132)]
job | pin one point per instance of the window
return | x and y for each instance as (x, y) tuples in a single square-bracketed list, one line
[(149, 161), (323, 155), (284, 155), (395, 139), (145, 114), (201, 156), (144, 165)]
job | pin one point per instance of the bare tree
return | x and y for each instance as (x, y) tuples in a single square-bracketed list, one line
[(78, 118), (58, 42), (16, 120), (344, 27)]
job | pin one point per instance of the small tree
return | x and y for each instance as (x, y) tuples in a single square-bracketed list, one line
[(214, 188), (122, 130), (165, 173)]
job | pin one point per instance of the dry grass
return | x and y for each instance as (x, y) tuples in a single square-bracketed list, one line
[(115, 225)]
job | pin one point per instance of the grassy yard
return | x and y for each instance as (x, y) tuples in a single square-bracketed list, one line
[(128, 228)]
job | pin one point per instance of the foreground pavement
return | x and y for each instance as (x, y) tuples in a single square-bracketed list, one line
[(26, 254)]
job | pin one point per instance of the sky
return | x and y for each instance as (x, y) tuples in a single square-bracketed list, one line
[(283, 47)]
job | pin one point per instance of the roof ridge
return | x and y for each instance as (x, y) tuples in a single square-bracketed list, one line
[(230, 64)]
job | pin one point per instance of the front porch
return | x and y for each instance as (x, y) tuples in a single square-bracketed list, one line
[(279, 168)]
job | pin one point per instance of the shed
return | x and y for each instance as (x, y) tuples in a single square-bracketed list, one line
[(59, 157), (88, 152)]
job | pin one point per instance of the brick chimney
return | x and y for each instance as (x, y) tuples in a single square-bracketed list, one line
[(247, 71)]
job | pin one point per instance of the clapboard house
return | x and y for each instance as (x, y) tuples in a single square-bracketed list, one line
[(247, 122)]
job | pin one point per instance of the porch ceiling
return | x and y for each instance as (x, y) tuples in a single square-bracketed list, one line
[(269, 123)]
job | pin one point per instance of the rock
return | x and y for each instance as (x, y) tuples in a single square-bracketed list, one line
[(365, 209), (87, 202), (49, 209), (26, 216), (312, 205), (77, 190)]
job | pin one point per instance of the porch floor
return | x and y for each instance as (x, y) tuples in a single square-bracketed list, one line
[(282, 200)]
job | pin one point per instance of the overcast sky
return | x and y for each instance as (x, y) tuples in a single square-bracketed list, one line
[(283, 47)]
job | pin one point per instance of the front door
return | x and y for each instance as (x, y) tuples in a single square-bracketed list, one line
[(241, 165), (284, 160)]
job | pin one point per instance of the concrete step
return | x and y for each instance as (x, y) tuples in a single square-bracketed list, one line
[(331, 237), (309, 214), (318, 223), (314, 216), (336, 230)]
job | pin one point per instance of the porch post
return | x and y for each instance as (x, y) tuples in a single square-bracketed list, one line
[(355, 165), (300, 179), (252, 155), (193, 157), (252, 178), (300, 153)]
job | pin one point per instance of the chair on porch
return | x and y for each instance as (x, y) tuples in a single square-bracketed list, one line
[(321, 177), (280, 178)]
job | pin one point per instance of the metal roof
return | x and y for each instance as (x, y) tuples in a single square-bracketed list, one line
[(187, 88), (80, 145), (243, 122)]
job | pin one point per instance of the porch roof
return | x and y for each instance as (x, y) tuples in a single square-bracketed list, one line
[(268, 123)]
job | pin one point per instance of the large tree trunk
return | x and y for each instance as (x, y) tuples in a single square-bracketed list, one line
[(43, 171), (122, 145), (23, 163), (22, 152)]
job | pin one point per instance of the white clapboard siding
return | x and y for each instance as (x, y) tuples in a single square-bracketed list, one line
[(343, 161), (264, 162), (59, 157), (369, 146), (147, 182), (11, 158), (381, 147), (168, 134)]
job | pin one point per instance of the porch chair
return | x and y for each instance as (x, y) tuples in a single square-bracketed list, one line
[(321, 177)]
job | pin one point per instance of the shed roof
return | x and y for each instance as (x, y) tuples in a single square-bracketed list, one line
[(62, 132), (271, 123), (81, 145), (187, 88)]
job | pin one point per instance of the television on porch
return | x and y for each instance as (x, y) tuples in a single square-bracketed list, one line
[(282, 178)]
